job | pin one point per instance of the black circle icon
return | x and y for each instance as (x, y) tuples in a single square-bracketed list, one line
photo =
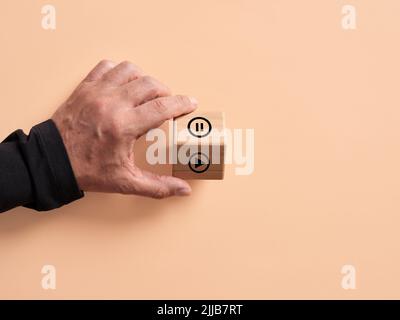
[(199, 162), (199, 127)]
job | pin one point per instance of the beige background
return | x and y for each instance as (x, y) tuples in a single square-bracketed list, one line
[(324, 104)]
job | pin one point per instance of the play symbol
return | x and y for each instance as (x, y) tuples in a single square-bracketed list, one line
[(199, 162)]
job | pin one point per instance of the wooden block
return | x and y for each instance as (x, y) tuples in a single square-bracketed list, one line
[(200, 146)]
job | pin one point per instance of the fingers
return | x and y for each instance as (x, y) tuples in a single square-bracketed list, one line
[(123, 73), (99, 70), (145, 89), (155, 186), (154, 113)]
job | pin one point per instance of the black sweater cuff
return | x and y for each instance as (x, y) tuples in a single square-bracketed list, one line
[(52, 180)]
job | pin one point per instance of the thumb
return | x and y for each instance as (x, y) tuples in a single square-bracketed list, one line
[(148, 184)]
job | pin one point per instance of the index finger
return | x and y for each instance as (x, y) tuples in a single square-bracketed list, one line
[(154, 113)]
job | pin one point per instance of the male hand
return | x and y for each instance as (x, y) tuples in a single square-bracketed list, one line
[(100, 122)]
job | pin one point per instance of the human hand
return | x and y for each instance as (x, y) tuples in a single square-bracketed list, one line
[(100, 122)]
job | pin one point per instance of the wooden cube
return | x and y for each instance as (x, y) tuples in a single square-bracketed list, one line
[(199, 144)]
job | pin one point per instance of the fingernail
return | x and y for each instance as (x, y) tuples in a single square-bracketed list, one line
[(183, 192), (193, 101)]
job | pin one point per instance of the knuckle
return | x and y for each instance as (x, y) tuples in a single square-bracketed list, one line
[(159, 106), (106, 63), (182, 100), (158, 91), (148, 80), (155, 87), (128, 65), (152, 91), (162, 90)]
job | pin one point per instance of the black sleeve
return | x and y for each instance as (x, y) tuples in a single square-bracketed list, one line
[(35, 171)]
